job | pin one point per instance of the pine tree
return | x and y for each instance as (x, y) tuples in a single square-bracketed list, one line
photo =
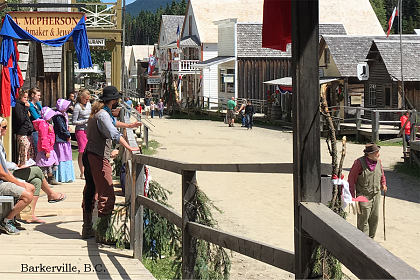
[(379, 8)]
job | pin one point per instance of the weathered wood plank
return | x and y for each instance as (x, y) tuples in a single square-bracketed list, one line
[(359, 253), (162, 210), (165, 164), (260, 251), (306, 131), (188, 244), (136, 232)]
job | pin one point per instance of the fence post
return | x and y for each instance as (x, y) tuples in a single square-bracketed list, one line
[(375, 126), (188, 242), (358, 123), (136, 211), (146, 136)]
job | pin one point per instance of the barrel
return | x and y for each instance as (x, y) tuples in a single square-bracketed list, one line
[(275, 112)]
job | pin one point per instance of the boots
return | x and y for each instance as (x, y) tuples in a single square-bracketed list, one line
[(87, 230), (102, 226), (51, 180)]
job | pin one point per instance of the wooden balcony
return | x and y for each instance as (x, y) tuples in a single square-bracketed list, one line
[(185, 66)]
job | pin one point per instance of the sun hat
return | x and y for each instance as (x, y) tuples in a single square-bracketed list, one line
[(371, 148), (47, 113), (110, 93), (63, 105)]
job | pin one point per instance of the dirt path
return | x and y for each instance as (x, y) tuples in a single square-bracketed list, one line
[(260, 207)]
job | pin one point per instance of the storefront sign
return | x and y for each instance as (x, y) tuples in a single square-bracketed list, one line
[(96, 42), (153, 81), (46, 25)]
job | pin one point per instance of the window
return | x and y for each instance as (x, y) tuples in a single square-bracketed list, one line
[(227, 80), (222, 81), (372, 95), (230, 80), (388, 97)]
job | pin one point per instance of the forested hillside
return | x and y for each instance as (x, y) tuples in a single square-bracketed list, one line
[(146, 5), (410, 14), (143, 29)]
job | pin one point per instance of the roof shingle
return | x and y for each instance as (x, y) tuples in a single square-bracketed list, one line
[(168, 28), (249, 42), (390, 53)]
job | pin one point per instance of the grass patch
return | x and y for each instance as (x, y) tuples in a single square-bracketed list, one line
[(162, 268), (152, 149), (409, 169), (392, 142)]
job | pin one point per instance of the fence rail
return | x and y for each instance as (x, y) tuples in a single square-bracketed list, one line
[(357, 116), (364, 257), (220, 104)]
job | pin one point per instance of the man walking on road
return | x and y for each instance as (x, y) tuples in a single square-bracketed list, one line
[(367, 178), (231, 105)]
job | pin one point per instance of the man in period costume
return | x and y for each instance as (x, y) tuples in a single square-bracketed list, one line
[(367, 178)]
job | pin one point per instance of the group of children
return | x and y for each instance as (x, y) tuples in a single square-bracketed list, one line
[(54, 154)]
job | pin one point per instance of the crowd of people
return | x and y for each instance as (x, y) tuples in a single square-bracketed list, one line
[(44, 153), (150, 106)]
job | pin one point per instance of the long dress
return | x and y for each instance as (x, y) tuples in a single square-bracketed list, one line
[(62, 147)]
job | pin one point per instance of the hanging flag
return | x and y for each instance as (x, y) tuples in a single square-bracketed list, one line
[(391, 20), (152, 64), (177, 36), (277, 24)]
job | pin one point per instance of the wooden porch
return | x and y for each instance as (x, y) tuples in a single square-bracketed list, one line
[(58, 243)]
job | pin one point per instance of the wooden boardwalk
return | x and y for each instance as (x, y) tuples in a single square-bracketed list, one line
[(58, 243)]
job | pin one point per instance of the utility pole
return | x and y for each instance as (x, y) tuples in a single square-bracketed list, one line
[(401, 52)]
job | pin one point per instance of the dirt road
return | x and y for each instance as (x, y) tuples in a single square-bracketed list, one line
[(260, 207)]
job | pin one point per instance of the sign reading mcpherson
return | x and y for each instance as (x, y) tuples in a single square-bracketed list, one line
[(47, 25)]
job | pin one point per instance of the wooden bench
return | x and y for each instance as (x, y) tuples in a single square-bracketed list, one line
[(6, 205)]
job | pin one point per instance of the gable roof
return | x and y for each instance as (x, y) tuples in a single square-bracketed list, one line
[(357, 16), (185, 42), (168, 27), (249, 42), (332, 29), (206, 13), (389, 50), (348, 51)]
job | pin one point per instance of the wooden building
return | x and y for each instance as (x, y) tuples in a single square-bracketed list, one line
[(338, 58), (384, 87)]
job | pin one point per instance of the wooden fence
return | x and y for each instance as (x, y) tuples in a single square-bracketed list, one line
[(363, 256), (350, 120), (207, 103)]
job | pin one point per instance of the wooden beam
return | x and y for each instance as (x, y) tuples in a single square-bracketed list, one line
[(306, 133), (177, 167), (160, 209), (165, 164), (277, 257), (359, 253), (188, 243)]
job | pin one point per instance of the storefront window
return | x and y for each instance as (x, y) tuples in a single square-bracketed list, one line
[(227, 80), (222, 82)]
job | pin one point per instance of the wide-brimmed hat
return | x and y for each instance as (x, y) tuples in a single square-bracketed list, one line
[(371, 148), (110, 93)]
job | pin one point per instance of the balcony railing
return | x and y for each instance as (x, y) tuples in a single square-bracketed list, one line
[(184, 66), (101, 15)]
